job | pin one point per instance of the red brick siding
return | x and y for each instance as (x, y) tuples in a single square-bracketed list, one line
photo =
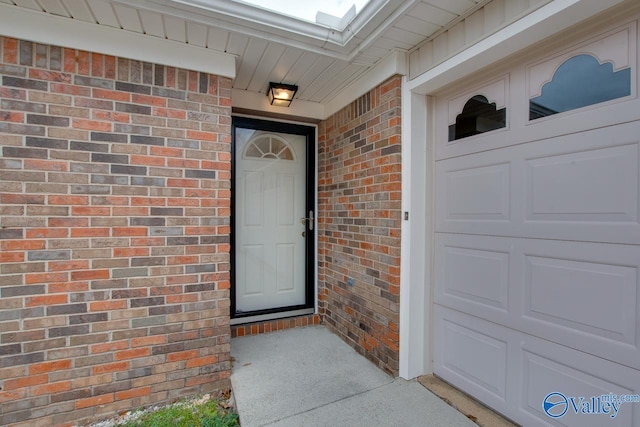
[(114, 234), (267, 326), (359, 223)]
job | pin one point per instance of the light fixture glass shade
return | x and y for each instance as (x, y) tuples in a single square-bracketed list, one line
[(281, 94)]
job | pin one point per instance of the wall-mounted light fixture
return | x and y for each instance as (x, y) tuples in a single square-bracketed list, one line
[(281, 94)]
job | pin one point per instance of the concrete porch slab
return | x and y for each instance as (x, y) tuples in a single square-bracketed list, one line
[(309, 377)]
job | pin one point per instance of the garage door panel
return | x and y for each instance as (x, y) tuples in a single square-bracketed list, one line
[(549, 368), (579, 294), (470, 355), (583, 187), (596, 185), (479, 193), (534, 367), (564, 292), (583, 295), (461, 186), (472, 275), (478, 275), (456, 364)]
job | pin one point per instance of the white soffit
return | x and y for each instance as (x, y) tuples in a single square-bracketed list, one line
[(533, 28), (394, 64), (46, 28), (251, 45)]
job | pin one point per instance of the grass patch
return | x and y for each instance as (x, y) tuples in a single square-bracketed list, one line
[(186, 414)]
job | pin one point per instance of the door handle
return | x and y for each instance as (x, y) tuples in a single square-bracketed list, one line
[(308, 220)]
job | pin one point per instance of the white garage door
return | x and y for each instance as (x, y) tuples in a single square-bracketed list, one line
[(537, 235)]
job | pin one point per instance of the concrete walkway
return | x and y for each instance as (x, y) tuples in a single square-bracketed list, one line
[(309, 377)]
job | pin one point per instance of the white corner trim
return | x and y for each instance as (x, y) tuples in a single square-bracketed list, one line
[(416, 238), (27, 24), (405, 369), (538, 25), (259, 102), (391, 65)]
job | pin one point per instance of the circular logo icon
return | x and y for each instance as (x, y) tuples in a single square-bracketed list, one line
[(555, 405)]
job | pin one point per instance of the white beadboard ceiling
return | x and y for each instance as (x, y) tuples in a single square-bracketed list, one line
[(270, 47)]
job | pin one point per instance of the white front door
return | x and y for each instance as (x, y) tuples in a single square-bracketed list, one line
[(270, 227)]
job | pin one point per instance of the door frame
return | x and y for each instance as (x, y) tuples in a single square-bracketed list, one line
[(416, 281), (309, 132)]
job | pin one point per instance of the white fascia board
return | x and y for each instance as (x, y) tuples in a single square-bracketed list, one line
[(256, 101), (279, 28), (393, 64), (40, 27), (248, 13), (338, 32), (251, 24), (538, 25)]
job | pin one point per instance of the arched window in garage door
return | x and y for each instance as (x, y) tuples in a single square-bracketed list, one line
[(580, 81), (478, 116), (479, 111)]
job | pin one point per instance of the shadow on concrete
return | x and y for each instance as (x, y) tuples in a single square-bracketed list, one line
[(309, 377)]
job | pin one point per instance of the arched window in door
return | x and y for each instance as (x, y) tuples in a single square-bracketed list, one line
[(478, 116), (578, 82), (268, 146)]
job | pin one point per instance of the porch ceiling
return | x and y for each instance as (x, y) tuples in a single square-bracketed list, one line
[(271, 47)]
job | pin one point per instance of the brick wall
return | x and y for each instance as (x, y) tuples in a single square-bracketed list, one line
[(359, 223), (267, 326), (114, 234)]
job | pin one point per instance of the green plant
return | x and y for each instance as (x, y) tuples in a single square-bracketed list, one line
[(187, 414)]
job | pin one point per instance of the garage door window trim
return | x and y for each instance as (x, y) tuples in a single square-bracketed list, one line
[(602, 72), (579, 82)]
